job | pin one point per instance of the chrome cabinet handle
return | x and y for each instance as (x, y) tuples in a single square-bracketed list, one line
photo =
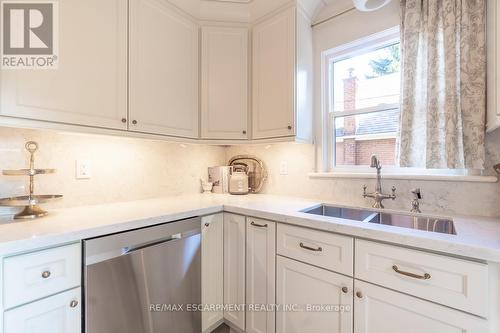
[(318, 249), (73, 303), (426, 276), (46, 274), (258, 225)]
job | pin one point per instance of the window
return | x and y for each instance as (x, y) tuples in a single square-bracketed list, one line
[(361, 93)]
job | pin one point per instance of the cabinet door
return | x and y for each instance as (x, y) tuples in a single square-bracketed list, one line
[(377, 309), (300, 285), (56, 314), (234, 269), (89, 87), (163, 83), (260, 284), (212, 268), (274, 76), (224, 84)]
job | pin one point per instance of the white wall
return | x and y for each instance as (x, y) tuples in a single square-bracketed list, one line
[(438, 197), (343, 29)]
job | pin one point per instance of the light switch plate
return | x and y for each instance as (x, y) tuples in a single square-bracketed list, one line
[(83, 170), (283, 168)]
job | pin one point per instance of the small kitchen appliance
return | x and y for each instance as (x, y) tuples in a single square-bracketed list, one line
[(219, 177), (255, 168), (238, 181)]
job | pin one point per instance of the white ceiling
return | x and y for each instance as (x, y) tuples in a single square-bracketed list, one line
[(240, 10)]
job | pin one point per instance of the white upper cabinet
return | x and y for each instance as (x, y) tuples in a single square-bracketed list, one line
[(493, 94), (89, 87), (163, 81), (282, 76), (273, 76), (224, 84)]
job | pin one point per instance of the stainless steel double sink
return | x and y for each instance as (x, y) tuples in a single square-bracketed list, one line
[(419, 222)]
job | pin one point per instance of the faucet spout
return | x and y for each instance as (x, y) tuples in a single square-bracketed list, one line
[(378, 195), (375, 163)]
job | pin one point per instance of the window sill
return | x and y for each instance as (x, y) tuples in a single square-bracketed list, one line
[(399, 176)]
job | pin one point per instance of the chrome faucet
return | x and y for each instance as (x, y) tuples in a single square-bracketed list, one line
[(378, 196)]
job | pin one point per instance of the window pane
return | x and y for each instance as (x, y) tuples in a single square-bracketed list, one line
[(358, 137), (367, 80)]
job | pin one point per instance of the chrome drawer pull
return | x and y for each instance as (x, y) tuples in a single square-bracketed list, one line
[(258, 225), (319, 249), (73, 303), (426, 276), (45, 274)]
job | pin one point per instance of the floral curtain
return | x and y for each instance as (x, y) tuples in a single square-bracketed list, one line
[(444, 84)]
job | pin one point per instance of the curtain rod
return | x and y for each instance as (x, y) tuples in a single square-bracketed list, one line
[(333, 16)]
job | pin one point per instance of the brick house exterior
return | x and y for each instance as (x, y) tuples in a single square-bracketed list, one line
[(363, 136)]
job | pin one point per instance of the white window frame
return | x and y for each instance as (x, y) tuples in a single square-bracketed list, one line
[(381, 39), (360, 46)]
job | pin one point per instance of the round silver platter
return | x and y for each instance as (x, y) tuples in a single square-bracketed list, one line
[(25, 200), (27, 172), (31, 209)]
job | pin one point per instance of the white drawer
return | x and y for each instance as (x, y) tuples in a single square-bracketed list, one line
[(460, 284), (60, 313), (31, 276), (319, 248)]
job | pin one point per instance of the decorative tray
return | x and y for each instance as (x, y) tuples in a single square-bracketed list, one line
[(31, 201)]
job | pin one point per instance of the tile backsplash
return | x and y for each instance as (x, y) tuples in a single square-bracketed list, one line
[(122, 169), (439, 197)]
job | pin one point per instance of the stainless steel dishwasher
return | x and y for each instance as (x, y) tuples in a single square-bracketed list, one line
[(142, 281)]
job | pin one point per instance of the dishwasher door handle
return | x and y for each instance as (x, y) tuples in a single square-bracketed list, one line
[(112, 246), (137, 247)]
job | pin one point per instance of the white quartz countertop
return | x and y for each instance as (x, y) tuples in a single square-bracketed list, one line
[(477, 237)]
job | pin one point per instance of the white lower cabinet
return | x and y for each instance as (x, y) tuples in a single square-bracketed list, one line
[(212, 269), (307, 288), (234, 270), (260, 275), (378, 310), (60, 313)]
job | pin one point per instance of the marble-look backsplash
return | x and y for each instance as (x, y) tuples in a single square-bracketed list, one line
[(122, 169), (125, 169), (439, 197)]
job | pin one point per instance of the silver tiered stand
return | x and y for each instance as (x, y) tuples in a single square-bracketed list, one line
[(30, 202)]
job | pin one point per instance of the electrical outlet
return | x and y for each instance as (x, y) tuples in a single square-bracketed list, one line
[(283, 168), (83, 169)]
